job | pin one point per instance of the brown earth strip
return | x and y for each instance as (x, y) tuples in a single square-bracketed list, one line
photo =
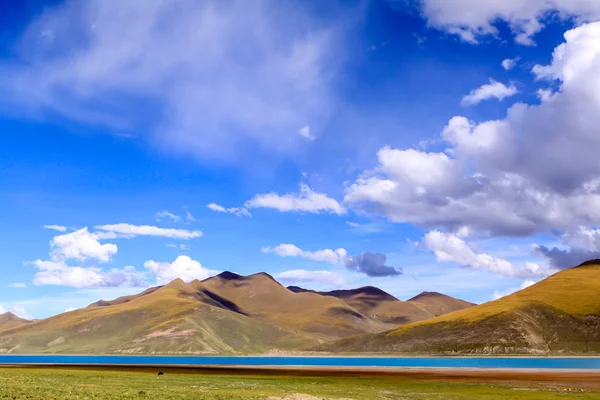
[(572, 378)]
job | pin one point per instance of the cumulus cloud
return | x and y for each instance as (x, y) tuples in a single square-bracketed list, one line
[(448, 247), (130, 231), (577, 246), (499, 294), (58, 228), (299, 276), (239, 211), (528, 173), (492, 90), (525, 18), (181, 60), (166, 214), (183, 267), (61, 274), (81, 245), (510, 63), (305, 201), (370, 264)]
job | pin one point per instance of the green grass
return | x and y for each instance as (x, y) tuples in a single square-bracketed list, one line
[(48, 384)]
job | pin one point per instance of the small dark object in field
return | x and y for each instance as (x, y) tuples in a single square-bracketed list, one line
[(160, 374)]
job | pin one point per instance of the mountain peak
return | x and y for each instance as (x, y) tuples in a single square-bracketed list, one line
[(365, 290), (230, 276), (176, 283), (423, 295), (265, 275), (589, 262), (10, 317)]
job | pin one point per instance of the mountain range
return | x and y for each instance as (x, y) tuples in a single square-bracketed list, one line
[(560, 314), (228, 313), (234, 314)]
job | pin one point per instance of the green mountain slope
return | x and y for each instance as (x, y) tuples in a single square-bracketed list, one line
[(558, 314)]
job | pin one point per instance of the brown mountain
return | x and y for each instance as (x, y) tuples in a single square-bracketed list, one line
[(9, 320), (560, 314), (228, 313), (382, 306), (438, 304), (262, 297)]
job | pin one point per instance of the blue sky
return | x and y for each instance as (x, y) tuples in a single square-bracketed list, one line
[(403, 144)]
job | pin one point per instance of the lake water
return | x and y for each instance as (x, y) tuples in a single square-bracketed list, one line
[(427, 362)]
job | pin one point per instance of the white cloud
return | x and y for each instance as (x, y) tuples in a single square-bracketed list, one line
[(239, 211), (368, 227), (305, 133), (299, 276), (18, 285), (528, 173), (370, 264), (101, 52), (290, 250), (577, 246), (58, 228), (188, 216), (130, 231), (81, 245), (60, 274), (70, 309), (499, 294), (305, 201), (178, 246), (166, 214), (525, 18), (510, 63), (183, 267), (492, 90), (448, 247)]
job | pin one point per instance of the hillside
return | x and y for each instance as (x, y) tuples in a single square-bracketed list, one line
[(176, 318), (228, 313), (9, 320), (558, 314)]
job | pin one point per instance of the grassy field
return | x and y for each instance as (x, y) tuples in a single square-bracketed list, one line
[(48, 383)]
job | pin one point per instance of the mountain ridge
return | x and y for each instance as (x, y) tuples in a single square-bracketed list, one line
[(560, 314), (224, 314)]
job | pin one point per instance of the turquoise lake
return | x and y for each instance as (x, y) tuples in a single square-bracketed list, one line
[(425, 362)]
